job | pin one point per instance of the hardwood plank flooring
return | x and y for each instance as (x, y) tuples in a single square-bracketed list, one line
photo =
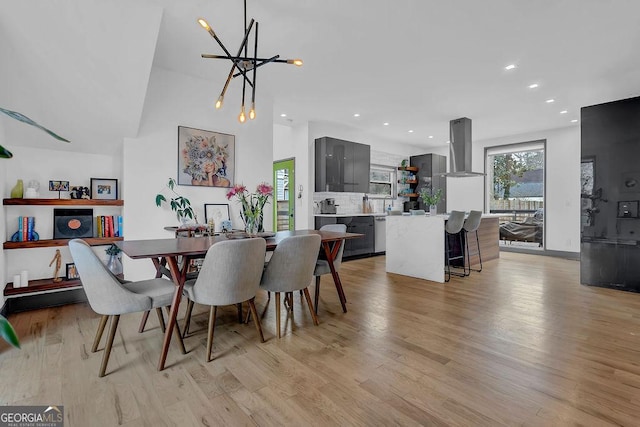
[(522, 343)]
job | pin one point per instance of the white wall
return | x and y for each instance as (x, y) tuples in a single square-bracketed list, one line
[(562, 196), (174, 100), (44, 165), (3, 169)]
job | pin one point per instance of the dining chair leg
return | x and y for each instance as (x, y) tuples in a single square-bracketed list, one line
[(239, 306), (213, 311), (176, 331), (278, 313), (313, 313), (160, 319), (107, 349), (187, 318), (96, 340), (256, 320), (317, 294), (143, 321)]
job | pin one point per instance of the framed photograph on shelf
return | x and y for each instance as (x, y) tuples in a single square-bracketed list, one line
[(205, 158), (104, 188), (58, 185), (72, 272), (218, 212)]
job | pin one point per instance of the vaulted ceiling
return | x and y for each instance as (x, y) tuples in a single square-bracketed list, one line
[(82, 67)]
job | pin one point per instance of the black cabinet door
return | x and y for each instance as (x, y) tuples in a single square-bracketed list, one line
[(341, 166), (361, 166), (363, 225)]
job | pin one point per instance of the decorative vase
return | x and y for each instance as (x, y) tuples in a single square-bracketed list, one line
[(114, 265), (18, 190), (251, 225), (433, 210)]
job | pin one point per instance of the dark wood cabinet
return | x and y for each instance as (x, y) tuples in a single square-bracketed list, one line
[(341, 166), (355, 224)]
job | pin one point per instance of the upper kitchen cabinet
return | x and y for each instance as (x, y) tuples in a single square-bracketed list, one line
[(431, 167), (342, 166)]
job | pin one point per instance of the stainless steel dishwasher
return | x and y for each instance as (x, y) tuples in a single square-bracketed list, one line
[(380, 234)]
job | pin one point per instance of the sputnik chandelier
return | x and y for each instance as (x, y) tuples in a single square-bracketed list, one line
[(244, 66)]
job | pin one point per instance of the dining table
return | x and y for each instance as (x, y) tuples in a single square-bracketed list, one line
[(176, 253)]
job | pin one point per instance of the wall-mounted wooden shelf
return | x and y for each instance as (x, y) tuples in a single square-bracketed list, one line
[(93, 241), (61, 202), (408, 195), (41, 285), (409, 181), (408, 168)]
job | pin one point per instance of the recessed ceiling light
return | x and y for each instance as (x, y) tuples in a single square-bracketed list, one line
[(574, 121), (549, 101), (563, 112), (533, 86), (283, 115), (410, 130), (510, 67), (385, 124), (356, 115), (430, 136)]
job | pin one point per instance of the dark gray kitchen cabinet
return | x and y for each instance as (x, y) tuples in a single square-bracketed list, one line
[(341, 166), (361, 246), (430, 169)]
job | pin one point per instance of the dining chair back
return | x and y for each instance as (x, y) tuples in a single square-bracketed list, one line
[(291, 269), (322, 265), (112, 297), (230, 274)]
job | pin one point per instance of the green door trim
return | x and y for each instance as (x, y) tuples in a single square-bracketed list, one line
[(290, 165)]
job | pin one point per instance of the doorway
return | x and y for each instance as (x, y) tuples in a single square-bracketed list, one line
[(516, 191), (283, 195)]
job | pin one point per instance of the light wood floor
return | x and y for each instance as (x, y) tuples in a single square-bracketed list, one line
[(522, 343)]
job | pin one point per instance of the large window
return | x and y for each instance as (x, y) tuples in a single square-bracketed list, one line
[(515, 190), (381, 180)]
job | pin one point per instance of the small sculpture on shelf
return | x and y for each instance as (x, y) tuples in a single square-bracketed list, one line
[(57, 258)]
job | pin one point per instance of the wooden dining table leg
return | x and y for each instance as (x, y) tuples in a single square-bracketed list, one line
[(336, 278), (178, 279)]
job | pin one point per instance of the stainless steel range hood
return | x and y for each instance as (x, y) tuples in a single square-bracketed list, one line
[(460, 149)]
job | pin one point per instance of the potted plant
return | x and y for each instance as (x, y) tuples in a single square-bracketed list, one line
[(431, 199), (7, 333), (114, 264), (179, 204)]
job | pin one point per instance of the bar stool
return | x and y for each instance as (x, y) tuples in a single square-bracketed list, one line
[(453, 227), (471, 225)]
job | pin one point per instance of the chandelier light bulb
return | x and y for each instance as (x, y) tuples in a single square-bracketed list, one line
[(204, 24), (252, 112), (242, 118), (219, 102), (296, 62)]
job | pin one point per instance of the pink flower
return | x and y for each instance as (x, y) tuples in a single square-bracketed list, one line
[(264, 189)]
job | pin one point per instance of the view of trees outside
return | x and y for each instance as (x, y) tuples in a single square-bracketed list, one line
[(517, 180)]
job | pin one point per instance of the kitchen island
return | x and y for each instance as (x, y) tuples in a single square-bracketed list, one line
[(415, 244)]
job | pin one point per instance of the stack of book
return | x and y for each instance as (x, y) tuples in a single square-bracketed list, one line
[(25, 228), (109, 226)]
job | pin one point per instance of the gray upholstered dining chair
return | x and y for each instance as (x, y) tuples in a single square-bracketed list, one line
[(111, 297), (471, 225), (230, 274), (291, 269), (322, 265), (453, 228)]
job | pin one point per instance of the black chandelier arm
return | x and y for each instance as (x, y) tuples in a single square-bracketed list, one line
[(246, 58), (255, 67)]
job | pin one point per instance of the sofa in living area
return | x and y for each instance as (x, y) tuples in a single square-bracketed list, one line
[(529, 230)]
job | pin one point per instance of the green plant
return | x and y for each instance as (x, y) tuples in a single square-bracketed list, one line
[(8, 333), (113, 250), (6, 154), (429, 197), (179, 204)]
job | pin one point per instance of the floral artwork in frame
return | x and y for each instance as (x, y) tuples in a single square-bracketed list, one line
[(205, 158)]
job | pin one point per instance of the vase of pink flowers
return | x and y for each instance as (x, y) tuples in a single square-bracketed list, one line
[(252, 205)]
